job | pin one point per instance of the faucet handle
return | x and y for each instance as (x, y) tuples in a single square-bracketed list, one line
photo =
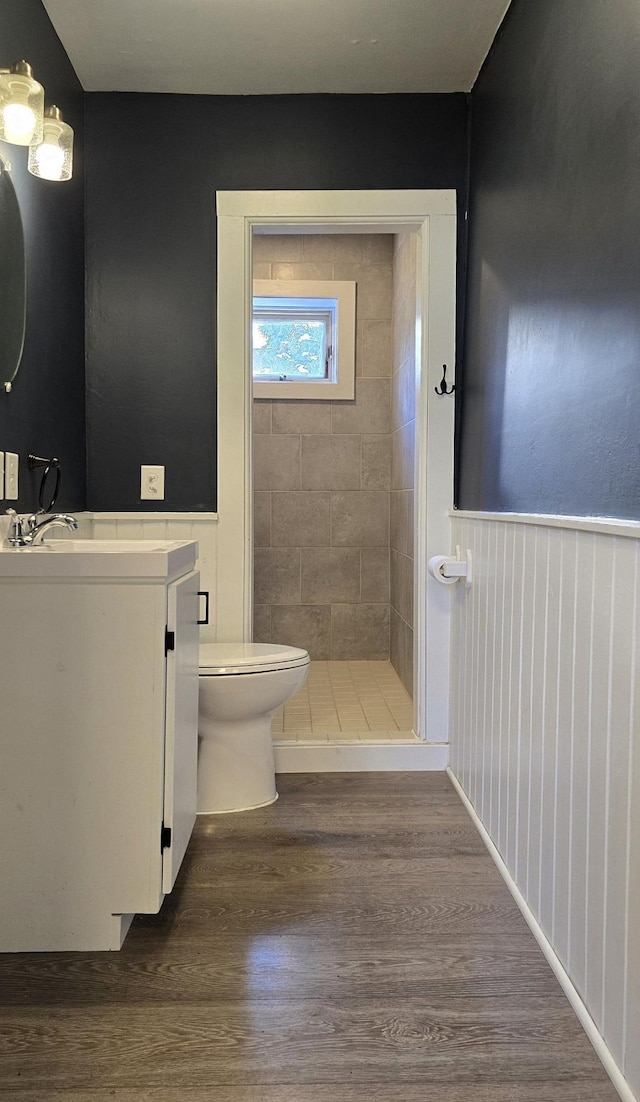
[(16, 532)]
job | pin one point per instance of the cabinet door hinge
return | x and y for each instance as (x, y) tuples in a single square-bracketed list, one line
[(165, 837), (169, 640)]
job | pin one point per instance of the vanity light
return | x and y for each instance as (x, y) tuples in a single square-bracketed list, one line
[(21, 105), (52, 158), (24, 121)]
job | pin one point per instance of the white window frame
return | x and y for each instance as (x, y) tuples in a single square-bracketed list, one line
[(340, 383)]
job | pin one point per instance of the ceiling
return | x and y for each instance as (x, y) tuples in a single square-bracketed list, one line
[(267, 47)]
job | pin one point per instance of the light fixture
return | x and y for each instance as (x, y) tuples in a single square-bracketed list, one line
[(21, 105), (24, 121), (52, 158)]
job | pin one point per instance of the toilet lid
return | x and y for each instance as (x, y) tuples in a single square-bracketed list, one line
[(226, 658)]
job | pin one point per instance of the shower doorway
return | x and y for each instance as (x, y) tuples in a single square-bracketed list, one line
[(423, 222)]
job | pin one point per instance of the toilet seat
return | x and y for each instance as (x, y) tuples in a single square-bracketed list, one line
[(217, 659)]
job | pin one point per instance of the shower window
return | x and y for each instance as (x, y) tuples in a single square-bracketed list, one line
[(303, 339)]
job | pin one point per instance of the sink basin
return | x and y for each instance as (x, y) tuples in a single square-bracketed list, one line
[(62, 558)]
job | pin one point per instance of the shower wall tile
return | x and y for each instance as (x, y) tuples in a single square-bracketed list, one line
[(322, 470), (401, 650), (262, 623), (277, 247), (330, 575), (402, 586), (376, 462), (276, 575), (375, 347), (300, 520), (374, 569), (403, 395), (301, 417), (305, 626), (368, 412), (360, 519), (262, 519), (359, 632), (330, 463), (276, 462), (261, 416), (403, 457)]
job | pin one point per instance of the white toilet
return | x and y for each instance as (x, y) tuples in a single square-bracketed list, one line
[(241, 686)]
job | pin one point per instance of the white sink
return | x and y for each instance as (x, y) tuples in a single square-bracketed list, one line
[(62, 558)]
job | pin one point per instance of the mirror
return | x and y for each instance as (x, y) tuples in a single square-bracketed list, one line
[(12, 280)]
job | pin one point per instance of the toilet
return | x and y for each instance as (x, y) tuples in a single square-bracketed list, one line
[(241, 686)]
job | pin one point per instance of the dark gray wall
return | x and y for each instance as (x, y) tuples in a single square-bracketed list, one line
[(154, 164), (551, 388), (45, 411)]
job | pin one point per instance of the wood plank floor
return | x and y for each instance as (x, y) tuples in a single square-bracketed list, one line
[(351, 943)]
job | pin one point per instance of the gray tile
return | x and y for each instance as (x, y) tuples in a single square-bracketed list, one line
[(276, 462), (261, 624), (404, 334), (333, 247), (360, 519), (403, 395), (305, 270), (401, 521), (377, 248), (403, 458), (374, 570), (261, 416), (303, 417), (300, 519), (306, 626), (271, 248), (261, 270), (376, 462), (374, 291), (368, 412), (262, 518), (402, 586), (376, 348), (401, 650), (359, 632), (331, 462), (276, 576), (330, 575)]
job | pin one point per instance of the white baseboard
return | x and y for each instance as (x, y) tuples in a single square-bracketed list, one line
[(360, 757), (582, 1013)]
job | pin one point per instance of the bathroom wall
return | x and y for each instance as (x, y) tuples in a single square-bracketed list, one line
[(403, 411), (322, 471), (154, 163), (45, 411)]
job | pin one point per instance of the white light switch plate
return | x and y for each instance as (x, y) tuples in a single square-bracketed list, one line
[(10, 476), (1, 476), (152, 483)]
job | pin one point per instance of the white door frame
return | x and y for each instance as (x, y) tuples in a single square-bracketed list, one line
[(432, 214)]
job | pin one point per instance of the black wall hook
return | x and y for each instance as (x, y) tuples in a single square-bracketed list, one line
[(443, 385)]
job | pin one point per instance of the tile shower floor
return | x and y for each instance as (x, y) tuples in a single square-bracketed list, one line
[(347, 702)]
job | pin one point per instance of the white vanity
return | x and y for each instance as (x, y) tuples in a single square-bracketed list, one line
[(98, 736)]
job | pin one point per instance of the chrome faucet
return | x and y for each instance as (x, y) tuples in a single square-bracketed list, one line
[(26, 533)]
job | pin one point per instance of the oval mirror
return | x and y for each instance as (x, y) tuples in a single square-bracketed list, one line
[(12, 280)]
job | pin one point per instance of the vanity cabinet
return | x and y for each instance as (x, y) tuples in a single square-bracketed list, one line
[(98, 742)]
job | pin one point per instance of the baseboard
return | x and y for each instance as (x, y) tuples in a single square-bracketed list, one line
[(582, 1013), (360, 757)]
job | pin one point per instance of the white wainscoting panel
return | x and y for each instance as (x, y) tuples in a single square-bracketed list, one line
[(202, 527), (545, 742)]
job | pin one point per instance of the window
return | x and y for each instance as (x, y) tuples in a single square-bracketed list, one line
[(303, 338)]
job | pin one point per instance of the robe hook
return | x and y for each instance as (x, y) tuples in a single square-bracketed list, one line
[(443, 385)]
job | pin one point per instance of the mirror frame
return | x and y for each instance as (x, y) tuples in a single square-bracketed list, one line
[(12, 330)]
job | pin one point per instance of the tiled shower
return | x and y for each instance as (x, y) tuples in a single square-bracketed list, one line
[(333, 492)]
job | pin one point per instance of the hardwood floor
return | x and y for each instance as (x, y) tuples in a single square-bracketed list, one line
[(351, 943)]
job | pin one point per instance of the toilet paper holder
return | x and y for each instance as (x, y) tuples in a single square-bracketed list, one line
[(448, 570)]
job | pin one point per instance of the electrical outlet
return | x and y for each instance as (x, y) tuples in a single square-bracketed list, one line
[(10, 476), (152, 483), (1, 475)]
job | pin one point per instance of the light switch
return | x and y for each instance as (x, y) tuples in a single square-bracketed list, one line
[(152, 483), (10, 476), (1, 476)]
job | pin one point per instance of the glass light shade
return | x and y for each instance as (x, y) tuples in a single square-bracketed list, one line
[(52, 157), (21, 106)]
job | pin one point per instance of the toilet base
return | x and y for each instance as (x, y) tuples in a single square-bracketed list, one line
[(236, 769)]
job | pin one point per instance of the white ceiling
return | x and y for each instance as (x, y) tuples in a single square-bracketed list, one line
[(262, 47)]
